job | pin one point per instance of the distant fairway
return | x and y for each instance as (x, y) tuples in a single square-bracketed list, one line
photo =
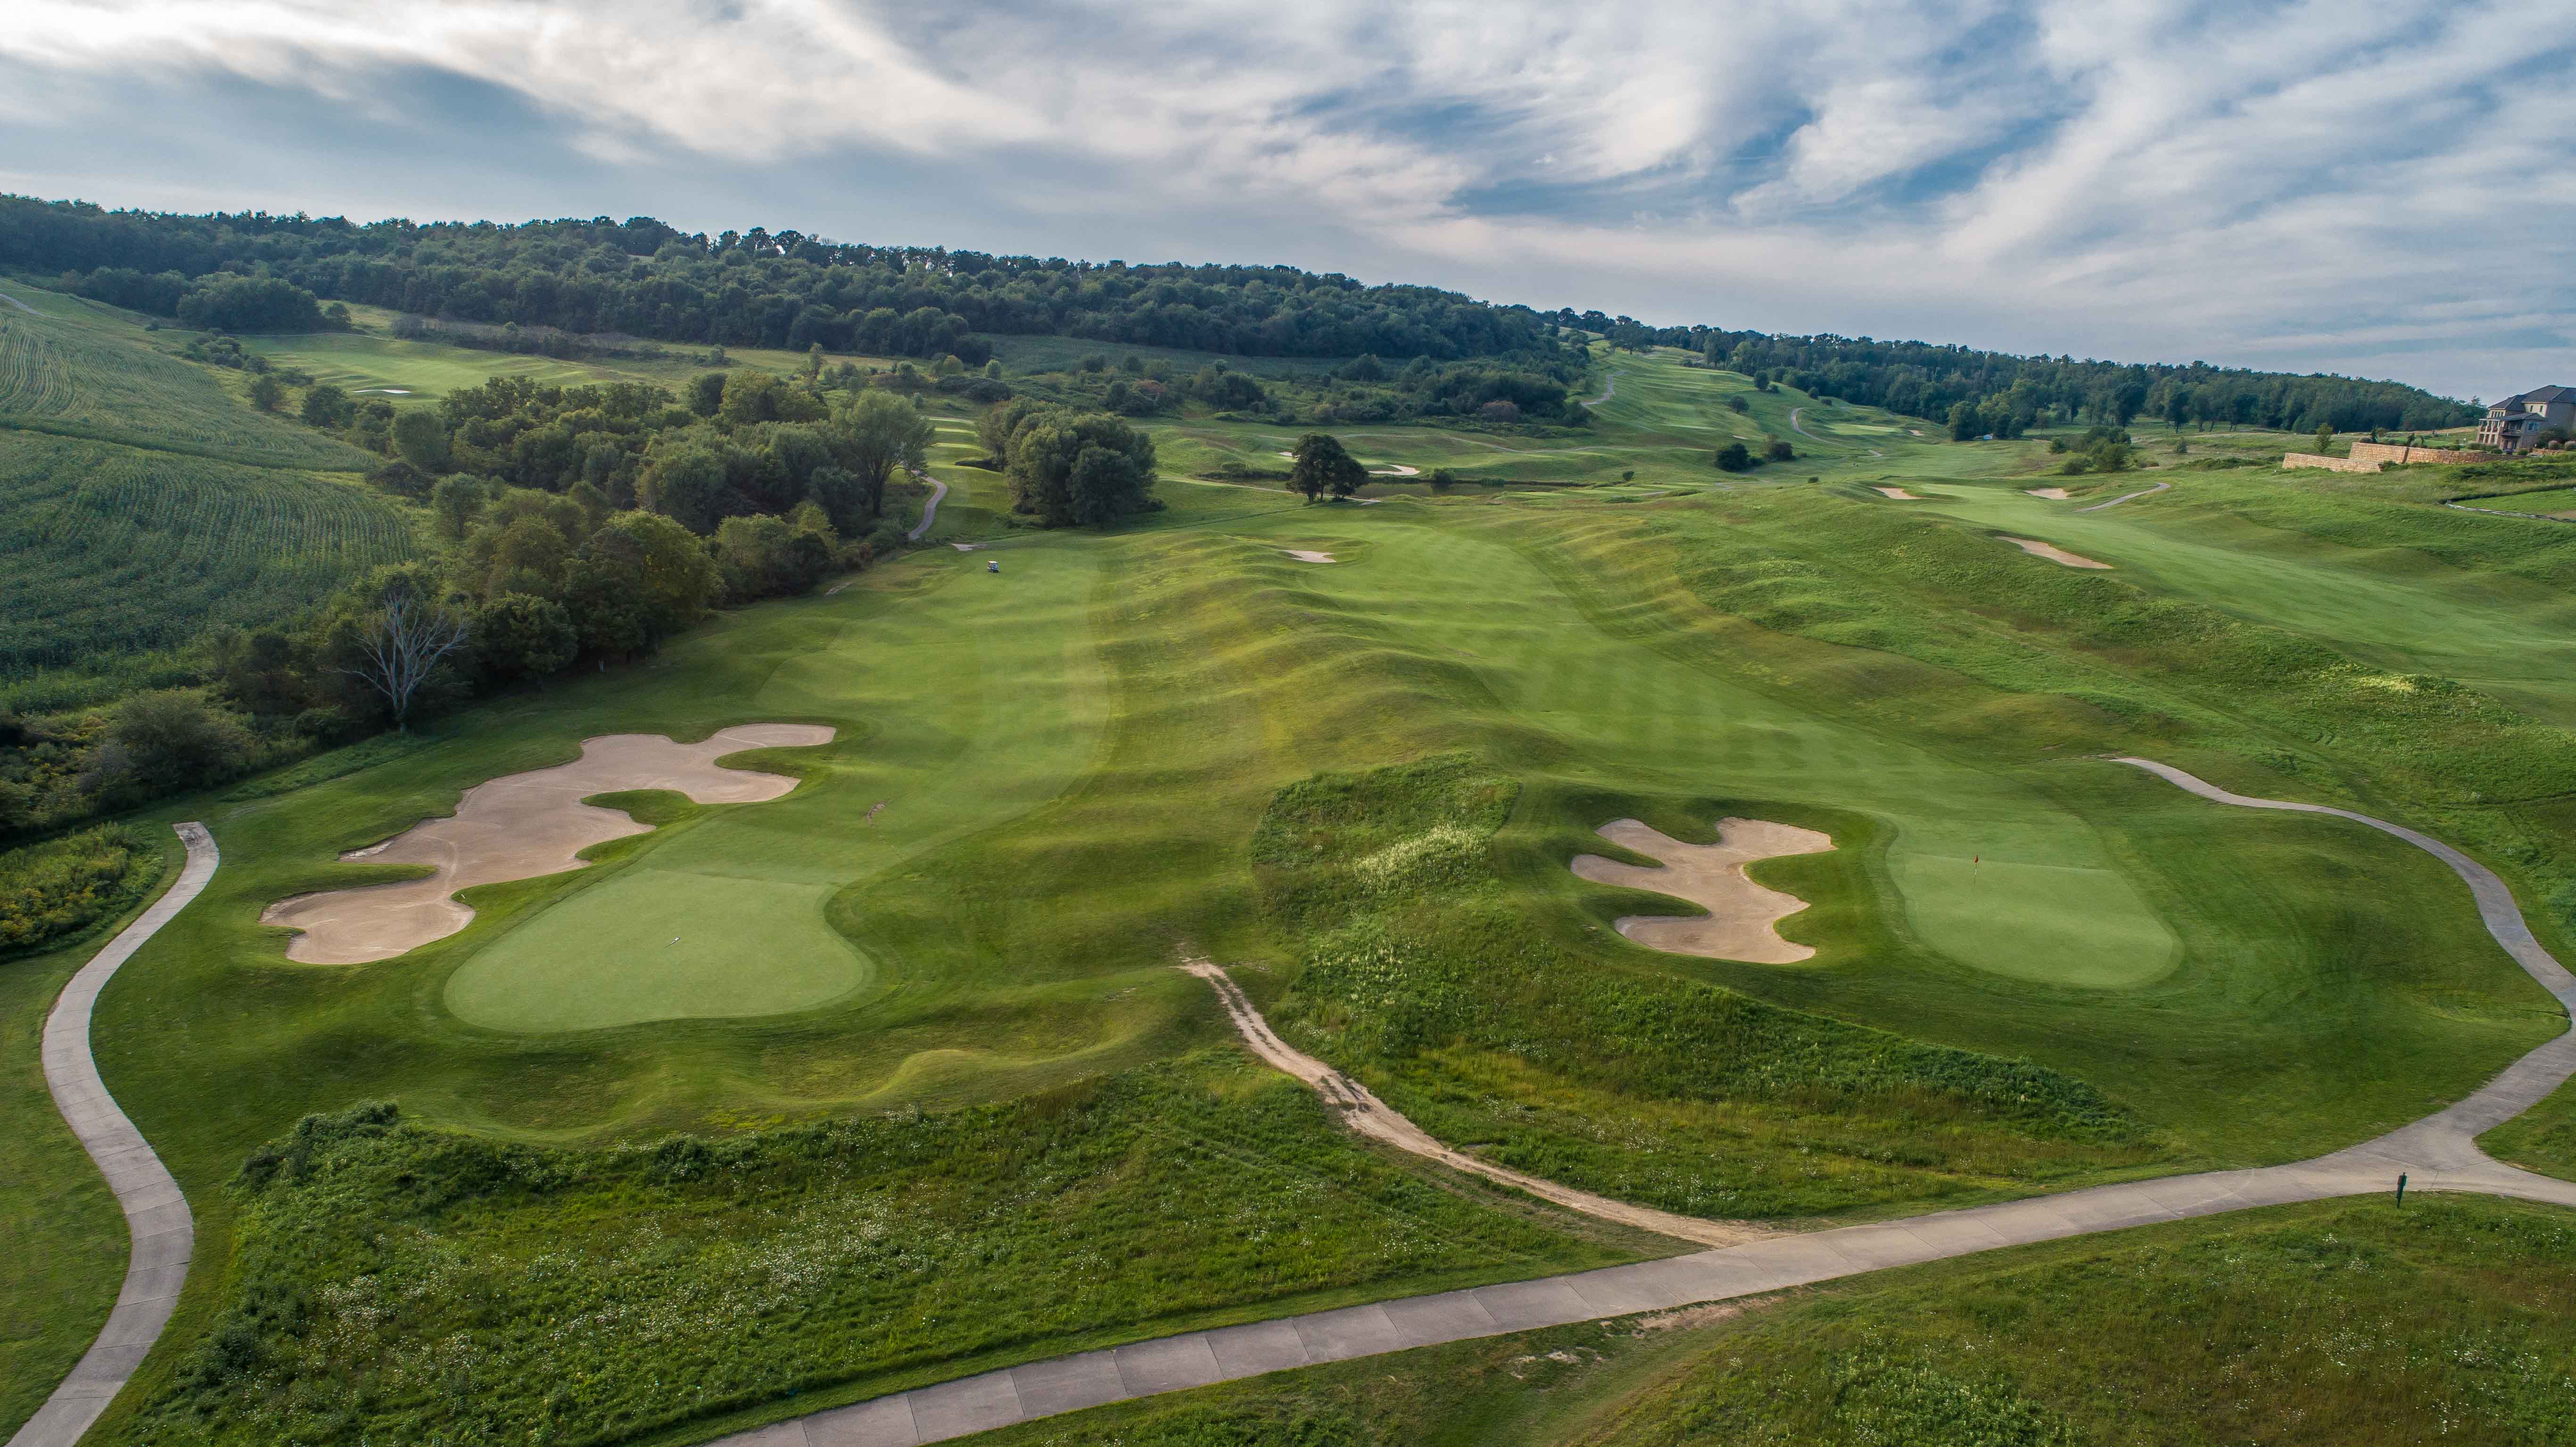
[(2398, 586)]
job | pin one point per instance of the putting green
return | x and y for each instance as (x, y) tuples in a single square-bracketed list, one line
[(975, 698), (655, 944), (2036, 921)]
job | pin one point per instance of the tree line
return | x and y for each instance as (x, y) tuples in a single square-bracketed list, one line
[(643, 278), (1977, 393)]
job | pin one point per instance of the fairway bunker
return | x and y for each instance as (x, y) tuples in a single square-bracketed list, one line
[(1742, 916), (520, 826), (1308, 555), (2055, 554), (1900, 494), (2053, 494)]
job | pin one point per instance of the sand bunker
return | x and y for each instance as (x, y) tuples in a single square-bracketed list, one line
[(1900, 494), (1741, 914), (1306, 556), (2054, 554), (520, 826), (1395, 469), (2053, 494)]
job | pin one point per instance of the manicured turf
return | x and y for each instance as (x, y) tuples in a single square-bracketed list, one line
[(663, 944), (2336, 1325), (2541, 1139), (963, 704), (1074, 755)]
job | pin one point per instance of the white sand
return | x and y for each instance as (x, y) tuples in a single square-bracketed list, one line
[(2054, 554), (2053, 494), (520, 826), (1900, 494), (1304, 555), (1395, 469), (1367, 1115), (1742, 916)]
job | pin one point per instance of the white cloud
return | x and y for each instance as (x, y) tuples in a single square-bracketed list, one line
[(2300, 183)]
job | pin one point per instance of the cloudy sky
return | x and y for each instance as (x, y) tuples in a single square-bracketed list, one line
[(2386, 189)]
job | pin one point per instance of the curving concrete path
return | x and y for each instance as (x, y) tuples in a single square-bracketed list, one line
[(2438, 1153), (164, 1235), (930, 509), (1832, 442), (2124, 497)]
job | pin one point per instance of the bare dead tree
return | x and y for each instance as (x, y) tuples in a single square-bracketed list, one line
[(401, 647)]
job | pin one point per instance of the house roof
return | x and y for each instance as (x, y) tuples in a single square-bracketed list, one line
[(2543, 396)]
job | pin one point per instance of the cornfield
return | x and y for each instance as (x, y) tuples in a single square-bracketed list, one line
[(109, 550), (80, 371)]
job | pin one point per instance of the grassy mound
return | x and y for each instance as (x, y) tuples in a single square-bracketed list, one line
[(1424, 976), (397, 1283)]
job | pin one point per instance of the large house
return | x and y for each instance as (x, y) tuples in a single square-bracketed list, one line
[(2516, 423)]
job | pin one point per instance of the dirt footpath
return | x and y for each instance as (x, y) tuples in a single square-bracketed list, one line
[(1369, 1116)]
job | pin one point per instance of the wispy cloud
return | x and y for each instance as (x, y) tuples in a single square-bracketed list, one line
[(2382, 189)]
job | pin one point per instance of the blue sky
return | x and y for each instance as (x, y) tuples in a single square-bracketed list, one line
[(2383, 189)]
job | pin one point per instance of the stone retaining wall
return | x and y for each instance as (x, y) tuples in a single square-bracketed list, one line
[(2399, 453), (2331, 464)]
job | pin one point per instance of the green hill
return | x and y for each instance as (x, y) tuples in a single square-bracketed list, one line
[(141, 502), (78, 369)]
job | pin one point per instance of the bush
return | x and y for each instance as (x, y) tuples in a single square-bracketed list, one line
[(51, 892), (1734, 457), (167, 741)]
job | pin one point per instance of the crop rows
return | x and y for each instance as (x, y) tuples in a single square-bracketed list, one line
[(85, 373), (107, 550)]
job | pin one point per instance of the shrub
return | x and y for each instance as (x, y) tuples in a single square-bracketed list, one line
[(51, 892), (1734, 457)]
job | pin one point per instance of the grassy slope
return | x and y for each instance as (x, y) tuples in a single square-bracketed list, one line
[(2542, 1138), (371, 358), (108, 550), (2336, 1325), (87, 370), (396, 1267), (141, 498), (1026, 920)]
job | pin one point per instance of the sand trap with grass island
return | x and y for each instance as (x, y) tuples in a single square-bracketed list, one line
[(2054, 553), (520, 826), (1742, 918), (1900, 494)]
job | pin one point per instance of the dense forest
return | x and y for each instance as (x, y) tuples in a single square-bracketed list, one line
[(1978, 393), (642, 278)]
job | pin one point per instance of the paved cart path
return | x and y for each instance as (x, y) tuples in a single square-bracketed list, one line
[(930, 509), (2115, 502), (156, 1215), (2438, 1153)]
